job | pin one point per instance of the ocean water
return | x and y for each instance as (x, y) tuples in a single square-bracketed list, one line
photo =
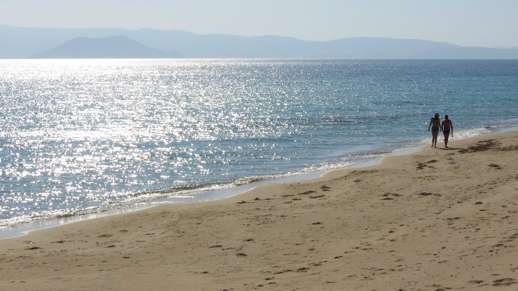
[(90, 135)]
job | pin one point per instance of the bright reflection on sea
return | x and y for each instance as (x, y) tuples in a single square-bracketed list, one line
[(83, 134)]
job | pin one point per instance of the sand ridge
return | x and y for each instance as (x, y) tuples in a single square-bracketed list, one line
[(435, 220)]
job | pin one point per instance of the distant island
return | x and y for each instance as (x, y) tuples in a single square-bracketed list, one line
[(105, 47), (19, 42)]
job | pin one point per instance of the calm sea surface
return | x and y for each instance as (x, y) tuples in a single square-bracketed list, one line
[(94, 134)]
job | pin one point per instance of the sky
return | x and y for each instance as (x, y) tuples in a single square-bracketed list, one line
[(491, 23)]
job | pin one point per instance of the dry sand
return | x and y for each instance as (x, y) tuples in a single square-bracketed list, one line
[(436, 220)]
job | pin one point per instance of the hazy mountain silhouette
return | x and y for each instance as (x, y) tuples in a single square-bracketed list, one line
[(105, 47), (29, 42)]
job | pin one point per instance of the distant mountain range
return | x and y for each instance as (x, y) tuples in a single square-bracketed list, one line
[(18, 42)]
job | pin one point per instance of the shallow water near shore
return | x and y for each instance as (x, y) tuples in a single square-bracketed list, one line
[(100, 136), (225, 191)]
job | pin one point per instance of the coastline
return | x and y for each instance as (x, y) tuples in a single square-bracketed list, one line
[(148, 199), (432, 219), (224, 191)]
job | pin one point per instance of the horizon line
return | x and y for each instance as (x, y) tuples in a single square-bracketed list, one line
[(257, 35)]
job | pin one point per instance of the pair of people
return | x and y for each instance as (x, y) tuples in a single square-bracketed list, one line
[(446, 126)]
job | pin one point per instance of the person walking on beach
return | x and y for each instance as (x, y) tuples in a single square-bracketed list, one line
[(435, 125), (447, 128)]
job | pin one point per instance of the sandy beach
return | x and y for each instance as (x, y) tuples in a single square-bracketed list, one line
[(435, 220)]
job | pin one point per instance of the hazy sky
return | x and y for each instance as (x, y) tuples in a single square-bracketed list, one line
[(465, 22)]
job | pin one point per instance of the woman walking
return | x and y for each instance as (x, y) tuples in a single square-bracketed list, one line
[(435, 125)]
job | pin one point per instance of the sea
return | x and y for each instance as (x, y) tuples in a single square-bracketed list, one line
[(82, 137)]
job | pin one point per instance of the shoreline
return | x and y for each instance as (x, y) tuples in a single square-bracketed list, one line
[(219, 192), (435, 219), (185, 197)]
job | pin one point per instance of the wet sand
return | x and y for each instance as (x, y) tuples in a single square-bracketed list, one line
[(435, 220)]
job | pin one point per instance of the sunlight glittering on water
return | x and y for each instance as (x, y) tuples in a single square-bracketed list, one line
[(83, 134)]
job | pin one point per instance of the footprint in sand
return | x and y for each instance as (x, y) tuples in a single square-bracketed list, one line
[(325, 188), (495, 166), (421, 165), (283, 271), (509, 148), (390, 196), (317, 196), (318, 264), (483, 145), (33, 248), (425, 194), (307, 192), (476, 281), (504, 282)]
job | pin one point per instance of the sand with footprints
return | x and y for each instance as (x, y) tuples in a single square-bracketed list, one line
[(434, 220)]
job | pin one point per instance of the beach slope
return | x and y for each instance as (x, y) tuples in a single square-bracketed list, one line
[(435, 220)]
